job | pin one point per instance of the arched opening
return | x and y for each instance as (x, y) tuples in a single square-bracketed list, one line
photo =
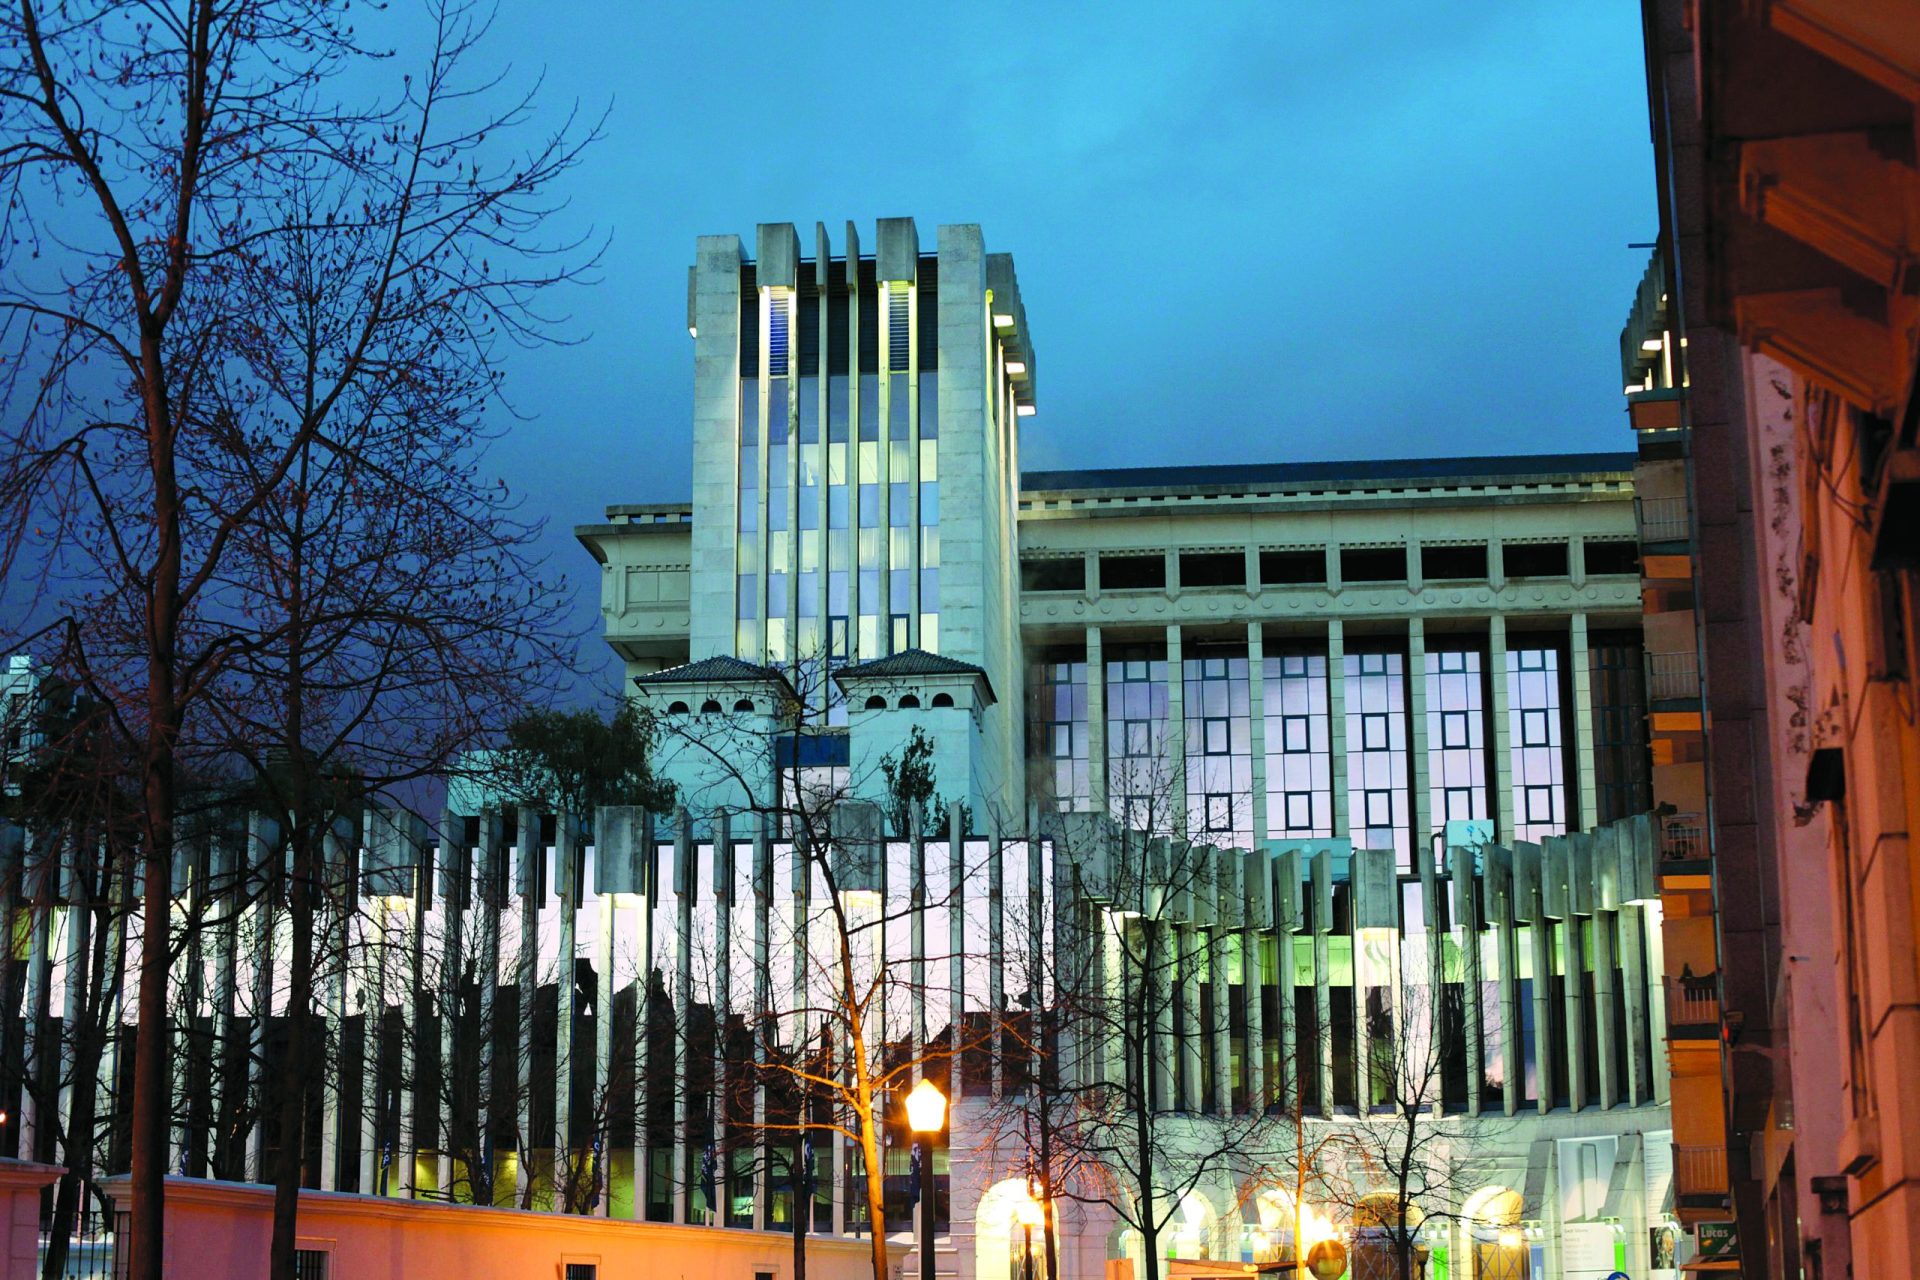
[(909, 700), (676, 708), (1496, 1246), (1192, 1232), (709, 707), (876, 703), (999, 1239), (1382, 1226), (1267, 1227), (942, 699), (745, 704)]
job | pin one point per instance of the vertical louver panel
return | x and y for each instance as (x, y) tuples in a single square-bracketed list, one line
[(898, 330), (777, 336)]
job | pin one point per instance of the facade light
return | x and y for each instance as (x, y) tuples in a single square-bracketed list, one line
[(1002, 320), (1650, 344), (1025, 410), (692, 332), (1016, 366)]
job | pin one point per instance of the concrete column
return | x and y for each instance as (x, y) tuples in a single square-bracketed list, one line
[(684, 883), (1604, 926), (1467, 890), (1192, 944), (1586, 777), (1543, 1011), (1222, 1018), (1421, 819), (606, 992), (1176, 752), (1656, 996), (1337, 715), (565, 840), (1257, 727), (406, 1149), (527, 977), (996, 928), (1510, 1013), (1573, 954), (1252, 987), (454, 866), (190, 980), (1502, 735), (723, 885), (1630, 920), (1160, 1000), (716, 426), (766, 894), (373, 1005), (1286, 922), (79, 956), (37, 1055), (1096, 720), (1322, 1030), (226, 986), (492, 851), (261, 852)]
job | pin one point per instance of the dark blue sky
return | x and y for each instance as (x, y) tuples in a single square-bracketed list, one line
[(1260, 232)]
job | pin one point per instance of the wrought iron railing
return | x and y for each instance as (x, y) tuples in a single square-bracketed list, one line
[(1693, 1001), (1683, 836)]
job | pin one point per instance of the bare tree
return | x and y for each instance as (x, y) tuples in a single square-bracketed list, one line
[(839, 1044), (1128, 1119), (277, 286)]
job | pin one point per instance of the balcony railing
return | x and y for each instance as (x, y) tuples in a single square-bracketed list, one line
[(1693, 1002), (1673, 676), (1700, 1171), (1683, 836), (1662, 519)]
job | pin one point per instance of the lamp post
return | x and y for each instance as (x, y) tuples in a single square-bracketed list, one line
[(926, 1113), (1032, 1214)]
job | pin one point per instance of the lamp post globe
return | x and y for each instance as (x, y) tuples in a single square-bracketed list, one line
[(926, 1115)]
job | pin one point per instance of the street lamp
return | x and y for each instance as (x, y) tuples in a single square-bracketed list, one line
[(926, 1113), (1031, 1214)]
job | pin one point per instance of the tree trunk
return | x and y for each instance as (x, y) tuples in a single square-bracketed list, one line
[(802, 1213), (293, 1076)]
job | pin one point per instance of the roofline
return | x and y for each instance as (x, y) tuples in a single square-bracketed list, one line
[(1498, 468)]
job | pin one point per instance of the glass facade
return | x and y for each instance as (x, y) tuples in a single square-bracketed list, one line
[(1139, 767), (1058, 721), (1537, 743), (1219, 753), (1622, 768), (1377, 809), (1456, 736), (1298, 745)]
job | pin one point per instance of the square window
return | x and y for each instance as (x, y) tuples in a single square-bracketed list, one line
[(1216, 740), (1373, 731), (1459, 803), (1219, 813), (1299, 808), (1379, 808), (1533, 729), (1294, 735), (1453, 729), (1139, 738), (1539, 804), (1294, 665), (1062, 741)]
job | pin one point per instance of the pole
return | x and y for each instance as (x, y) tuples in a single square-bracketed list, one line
[(926, 1208)]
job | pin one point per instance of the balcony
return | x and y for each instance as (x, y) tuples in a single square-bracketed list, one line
[(1693, 1008), (1700, 1172), (1673, 677), (1662, 520), (1683, 838)]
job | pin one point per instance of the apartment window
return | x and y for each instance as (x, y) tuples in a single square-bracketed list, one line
[(1377, 753), (1299, 754), (1537, 743), (311, 1264), (1602, 558), (582, 1271), (1054, 574), (1456, 736)]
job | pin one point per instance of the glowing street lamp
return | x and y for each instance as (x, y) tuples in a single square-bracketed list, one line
[(926, 1115), (1032, 1214)]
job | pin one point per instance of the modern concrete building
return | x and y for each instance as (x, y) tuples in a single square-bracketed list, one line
[(1361, 749), (1771, 371)]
